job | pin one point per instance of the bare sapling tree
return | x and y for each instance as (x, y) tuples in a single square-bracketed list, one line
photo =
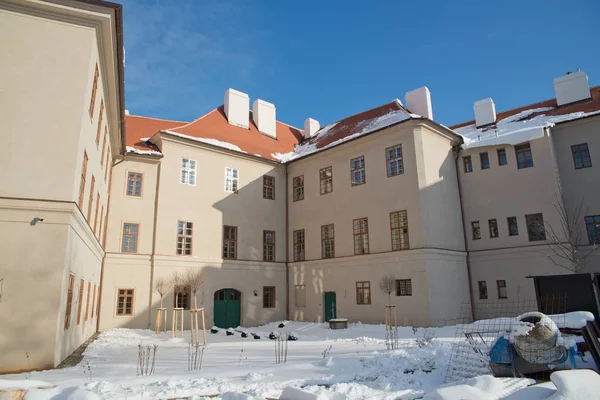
[(565, 241), (177, 281), (193, 279), (387, 284), (162, 287)]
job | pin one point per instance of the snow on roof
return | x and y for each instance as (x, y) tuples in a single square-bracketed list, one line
[(515, 129), (347, 129), (131, 149), (211, 141)]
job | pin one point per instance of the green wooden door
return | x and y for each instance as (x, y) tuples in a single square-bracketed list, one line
[(330, 306), (227, 309)]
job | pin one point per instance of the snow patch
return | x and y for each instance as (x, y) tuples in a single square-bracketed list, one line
[(514, 130), (362, 128), (131, 149)]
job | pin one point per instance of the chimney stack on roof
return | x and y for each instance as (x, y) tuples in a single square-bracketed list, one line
[(263, 114), (236, 108), (485, 112), (571, 88), (311, 126), (418, 101)]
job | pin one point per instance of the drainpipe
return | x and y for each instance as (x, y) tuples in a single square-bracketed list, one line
[(153, 244), (287, 250), (456, 150), (101, 285)]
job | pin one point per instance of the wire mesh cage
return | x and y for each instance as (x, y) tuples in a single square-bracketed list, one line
[(514, 339)]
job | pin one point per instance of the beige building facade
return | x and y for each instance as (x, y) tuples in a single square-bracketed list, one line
[(55, 165), (283, 223)]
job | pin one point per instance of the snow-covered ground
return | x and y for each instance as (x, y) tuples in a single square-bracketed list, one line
[(337, 364)]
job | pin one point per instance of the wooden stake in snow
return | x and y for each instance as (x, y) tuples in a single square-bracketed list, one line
[(162, 287)]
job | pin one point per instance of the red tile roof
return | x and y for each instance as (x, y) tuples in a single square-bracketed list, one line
[(214, 125), (354, 124), (586, 106), (138, 127)]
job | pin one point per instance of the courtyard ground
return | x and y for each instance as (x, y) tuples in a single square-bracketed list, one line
[(336, 364)]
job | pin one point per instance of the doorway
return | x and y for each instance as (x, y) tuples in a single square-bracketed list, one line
[(227, 308), (330, 306)]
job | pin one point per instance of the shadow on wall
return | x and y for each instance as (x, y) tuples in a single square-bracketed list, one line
[(251, 214)]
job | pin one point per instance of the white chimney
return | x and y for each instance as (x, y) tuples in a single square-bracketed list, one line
[(485, 112), (263, 114), (418, 101), (311, 126), (571, 88), (237, 105)]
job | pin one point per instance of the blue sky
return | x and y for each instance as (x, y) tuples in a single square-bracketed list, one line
[(331, 59)]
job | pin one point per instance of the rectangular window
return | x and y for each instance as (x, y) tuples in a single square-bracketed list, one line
[(108, 166), (231, 180), (184, 238), (96, 214), (535, 227), (513, 228), (82, 184), (268, 296), (125, 302), (91, 200), (299, 245), (483, 294), (592, 226), (467, 163), (87, 304), (103, 147), (134, 184), (399, 229), (182, 297), (130, 238), (300, 296), (361, 236), (69, 301), (485, 160), (524, 156), (230, 241), (501, 289), (403, 287), (80, 300), (299, 188), (94, 89), (100, 123), (476, 230), (188, 171), (357, 171), (363, 292), (395, 163), (326, 178), (493, 224), (269, 187), (268, 245), (94, 301), (101, 221), (502, 160), (327, 241), (581, 156)]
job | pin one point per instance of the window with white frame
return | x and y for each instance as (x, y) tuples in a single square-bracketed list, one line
[(357, 170), (395, 164), (188, 171), (231, 180)]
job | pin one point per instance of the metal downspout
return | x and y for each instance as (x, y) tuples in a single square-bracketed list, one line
[(287, 249), (152, 255), (456, 150), (101, 285)]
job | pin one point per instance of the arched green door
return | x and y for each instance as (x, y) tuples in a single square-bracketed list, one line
[(227, 308)]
